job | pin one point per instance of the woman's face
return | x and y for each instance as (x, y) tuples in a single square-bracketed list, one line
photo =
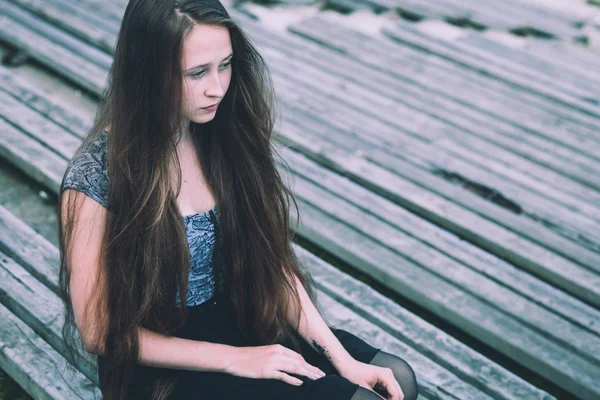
[(206, 62)]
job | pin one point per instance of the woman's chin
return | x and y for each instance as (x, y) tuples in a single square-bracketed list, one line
[(204, 117)]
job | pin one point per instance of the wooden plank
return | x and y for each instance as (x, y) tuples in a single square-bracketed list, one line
[(304, 97), (57, 58), (474, 316), (520, 177), (519, 164), (342, 318), (37, 367), (480, 94), (502, 383), (42, 103), (30, 250), (88, 30), (523, 15), (34, 159), (328, 130), (448, 111), (39, 308), (556, 67), (42, 129), (573, 220), (399, 187), (542, 207), (561, 92)]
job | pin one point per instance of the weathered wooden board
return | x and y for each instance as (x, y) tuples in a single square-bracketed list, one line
[(501, 16), (515, 165), (551, 208), (39, 307), (482, 95), (91, 31), (38, 100), (403, 187), (559, 68), (423, 256), (63, 61), (562, 92), (46, 132), (450, 245), (329, 131), (37, 161), (36, 366)]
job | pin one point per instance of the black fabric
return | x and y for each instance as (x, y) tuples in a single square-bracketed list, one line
[(217, 325), (364, 394)]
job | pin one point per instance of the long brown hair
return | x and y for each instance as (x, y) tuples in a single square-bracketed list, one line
[(145, 256)]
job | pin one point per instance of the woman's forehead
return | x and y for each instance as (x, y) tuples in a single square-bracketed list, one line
[(205, 44)]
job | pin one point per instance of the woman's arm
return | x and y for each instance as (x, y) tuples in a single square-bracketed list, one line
[(315, 331), (158, 350), (89, 304)]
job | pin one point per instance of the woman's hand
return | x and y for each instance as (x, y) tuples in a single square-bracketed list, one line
[(271, 362), (377, 379)]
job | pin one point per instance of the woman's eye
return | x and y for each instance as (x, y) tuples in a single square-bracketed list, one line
[(197, 75)]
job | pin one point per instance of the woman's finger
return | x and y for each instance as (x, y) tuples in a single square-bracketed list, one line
[(287, 378), (297, 368), (391, 386), (297, 356)]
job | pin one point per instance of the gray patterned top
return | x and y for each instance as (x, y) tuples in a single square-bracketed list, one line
[(88, 173)]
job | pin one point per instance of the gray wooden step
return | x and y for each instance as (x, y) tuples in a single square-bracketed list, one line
[(558, 68), (568, 221), (76, 20), (561, 92), (61, 60), (481, 94), (489, 14), (35, 366), (90, 30)]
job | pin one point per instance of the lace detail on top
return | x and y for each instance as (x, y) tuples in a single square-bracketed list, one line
[(88, 173)]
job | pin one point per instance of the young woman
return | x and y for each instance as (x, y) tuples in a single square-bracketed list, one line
[(175, 191)]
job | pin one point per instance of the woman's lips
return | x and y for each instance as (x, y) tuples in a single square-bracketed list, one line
[(211, 108)]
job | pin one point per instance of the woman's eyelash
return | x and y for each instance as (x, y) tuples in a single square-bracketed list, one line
[(200, 73)]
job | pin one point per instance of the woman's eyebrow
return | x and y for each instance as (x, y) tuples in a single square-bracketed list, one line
[(205, 65)]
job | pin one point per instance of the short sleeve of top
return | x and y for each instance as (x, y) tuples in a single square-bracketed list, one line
[(87, 172)]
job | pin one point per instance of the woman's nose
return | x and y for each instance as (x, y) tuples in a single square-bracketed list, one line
[(214, 88)]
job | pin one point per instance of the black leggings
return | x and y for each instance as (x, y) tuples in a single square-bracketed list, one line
[(403, 373)]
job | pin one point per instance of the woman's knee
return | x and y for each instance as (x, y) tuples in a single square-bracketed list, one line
[(403, 373)]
